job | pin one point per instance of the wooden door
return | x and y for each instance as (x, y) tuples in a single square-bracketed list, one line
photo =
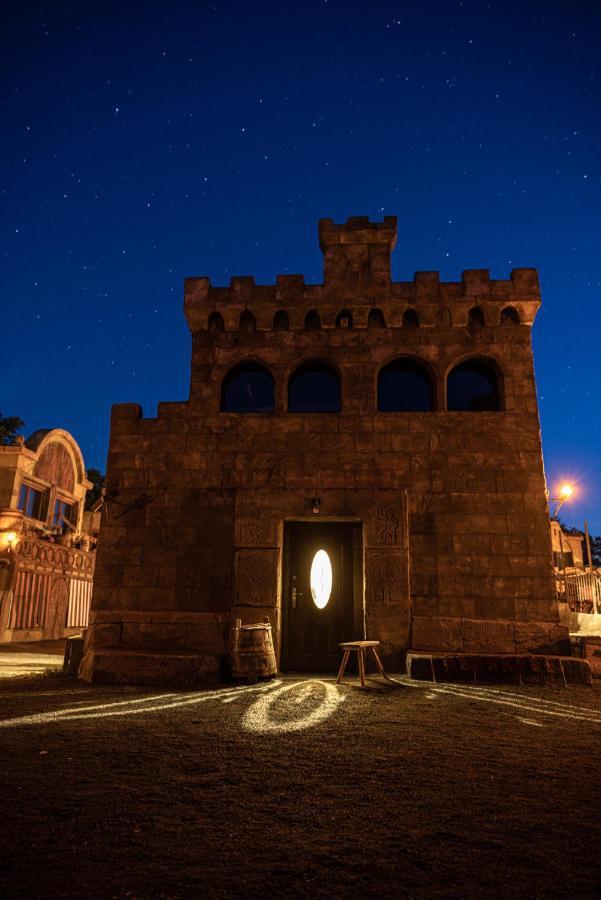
[(56, 611), (318, 612)]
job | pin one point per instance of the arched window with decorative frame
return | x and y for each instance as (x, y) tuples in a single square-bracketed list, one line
[(216, 322), (475, 317), (405, 385), (376, 319), (312, 321), (510, 316), (314, 387), (344, 319), (249, 387), (410, 319), (474, 385)]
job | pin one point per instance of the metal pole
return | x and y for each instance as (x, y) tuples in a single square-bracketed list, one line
[(588, 546), (563, 563)]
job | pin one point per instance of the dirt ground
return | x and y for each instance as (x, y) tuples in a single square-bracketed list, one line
[(30, 658), (299, 788)]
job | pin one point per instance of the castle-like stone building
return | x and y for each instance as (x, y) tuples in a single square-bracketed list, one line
[(393, 426)]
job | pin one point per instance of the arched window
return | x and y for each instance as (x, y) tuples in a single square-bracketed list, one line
[(281, 322), (312, 321), (344, 319), (475, 317), (247, 322), (216, 322), (410, 319), (248, 388), (376, 319), (473, 386), (314, 388), (405, 385), (510, 316)]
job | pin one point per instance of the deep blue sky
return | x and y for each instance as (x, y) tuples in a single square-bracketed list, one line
[(144, 142)]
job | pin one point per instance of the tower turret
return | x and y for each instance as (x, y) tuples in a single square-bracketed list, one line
[(357, 253)]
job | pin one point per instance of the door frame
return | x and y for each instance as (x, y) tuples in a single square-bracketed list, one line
[(358, 575)]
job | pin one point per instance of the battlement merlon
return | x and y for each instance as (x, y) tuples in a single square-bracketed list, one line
[(358, 230), (356, 254)]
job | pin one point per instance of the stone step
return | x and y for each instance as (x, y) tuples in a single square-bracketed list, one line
[(136, 667), (475, 668)]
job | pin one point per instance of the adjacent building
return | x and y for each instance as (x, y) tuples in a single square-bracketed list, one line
[(569, 550), (46, 557)]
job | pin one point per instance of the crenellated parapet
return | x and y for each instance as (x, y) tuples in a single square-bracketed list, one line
[(344, 288)]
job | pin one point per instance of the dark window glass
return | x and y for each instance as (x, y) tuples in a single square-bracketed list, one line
[(472, 386), (564, 560), (344, 319), (216, 322), (404, 386), (248, 388), (30, 501), (314, 387), (63, 512), (376, 319), (510, 316), (410, 319), (475, 317), (281, 322), (312, 321)]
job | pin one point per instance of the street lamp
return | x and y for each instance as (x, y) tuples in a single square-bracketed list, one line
[(565, 492)]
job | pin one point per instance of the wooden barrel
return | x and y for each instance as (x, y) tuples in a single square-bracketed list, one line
[(253, 655)]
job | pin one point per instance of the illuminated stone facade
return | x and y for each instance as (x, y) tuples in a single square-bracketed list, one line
[(569, 551), (46, 564), (455, 540)]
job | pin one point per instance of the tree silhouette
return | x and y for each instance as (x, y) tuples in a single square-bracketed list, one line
[(9, 425)]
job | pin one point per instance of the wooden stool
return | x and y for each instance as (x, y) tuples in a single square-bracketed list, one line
[(361, 648)]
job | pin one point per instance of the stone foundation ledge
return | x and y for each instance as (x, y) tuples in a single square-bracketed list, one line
[(128, 667), (169, 617), (454, 635), (474, 668), (203, 637)]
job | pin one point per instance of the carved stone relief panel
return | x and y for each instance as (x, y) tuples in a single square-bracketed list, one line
[(387, 598), (259, 514), (256, 577), (257, 519), (386, 578), (387, 521)]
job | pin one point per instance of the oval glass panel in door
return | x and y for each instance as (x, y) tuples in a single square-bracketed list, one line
[(320, 579)]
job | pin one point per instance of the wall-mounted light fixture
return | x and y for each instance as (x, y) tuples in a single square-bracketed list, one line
[(316, 503), (565, 493), (8, 541)]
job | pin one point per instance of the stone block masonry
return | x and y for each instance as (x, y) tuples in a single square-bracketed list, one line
[(455, 548)]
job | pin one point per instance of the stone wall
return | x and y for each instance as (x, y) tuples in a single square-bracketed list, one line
[(192, 535)]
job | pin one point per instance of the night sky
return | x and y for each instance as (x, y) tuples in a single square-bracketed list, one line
[(145, 142)]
